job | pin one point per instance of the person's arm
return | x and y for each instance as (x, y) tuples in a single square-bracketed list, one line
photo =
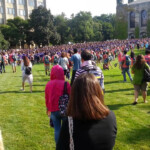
[(71, 59), (102, 81), (64, 138), (132, 70), (22, 66)]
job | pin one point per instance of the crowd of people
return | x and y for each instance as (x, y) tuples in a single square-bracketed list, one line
[(88, 123)]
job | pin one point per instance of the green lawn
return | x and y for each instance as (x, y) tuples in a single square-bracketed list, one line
[(25, 125)]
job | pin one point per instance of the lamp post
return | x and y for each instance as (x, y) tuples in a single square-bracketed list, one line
[(40, 45), (19, 44)]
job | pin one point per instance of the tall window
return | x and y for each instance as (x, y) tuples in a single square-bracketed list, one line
[(1, 20), (22, 12), (31, 3), (21, 2), (11, 11), (132, 20), (40, 4), (1, 10), (143, 18), (10, 1)]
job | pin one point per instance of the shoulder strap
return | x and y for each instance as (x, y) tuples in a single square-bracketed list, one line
[(65, 88), (70, 122)]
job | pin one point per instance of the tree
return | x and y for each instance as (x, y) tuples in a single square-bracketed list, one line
[(41, 20), (82, 27), (121, 29), (97, 30), (137, 32), (107, 31), (61, 24), (14, 31), (3, 43)]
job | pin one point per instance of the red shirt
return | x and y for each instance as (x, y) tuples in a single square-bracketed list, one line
[(124, 62), (147, 58)]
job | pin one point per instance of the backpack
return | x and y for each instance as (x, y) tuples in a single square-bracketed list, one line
[(94, 71), (13, 57), (2, 59), (28, 70), (128, 61), (63, 101), (46, 60), (55, 60), (146, 76)]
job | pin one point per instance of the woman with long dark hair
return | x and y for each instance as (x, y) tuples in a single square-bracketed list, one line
[(26, 67), (139, 85), (90, 125)]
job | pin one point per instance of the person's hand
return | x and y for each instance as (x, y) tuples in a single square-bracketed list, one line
[(48, 113)]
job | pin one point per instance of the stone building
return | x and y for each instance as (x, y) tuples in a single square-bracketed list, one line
[(136, 13), (22, 8)]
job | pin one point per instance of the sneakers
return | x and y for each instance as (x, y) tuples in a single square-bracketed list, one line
[(134, 103), (22, 89)]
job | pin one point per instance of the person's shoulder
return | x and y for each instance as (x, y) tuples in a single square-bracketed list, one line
[(111, 114)]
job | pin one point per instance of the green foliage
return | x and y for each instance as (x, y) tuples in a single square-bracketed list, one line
[(137, 32), (14, 30), (41, 20), (4, 45), (148, 27), (61, 24), (82, 27), (121, 29), (97, 30), (107, 31)]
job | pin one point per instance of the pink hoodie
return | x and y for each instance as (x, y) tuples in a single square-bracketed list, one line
[(54, 88)]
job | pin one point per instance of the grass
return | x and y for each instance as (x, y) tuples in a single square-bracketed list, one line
[(25, 125)]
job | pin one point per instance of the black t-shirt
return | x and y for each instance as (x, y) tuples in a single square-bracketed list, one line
[(90, 135)]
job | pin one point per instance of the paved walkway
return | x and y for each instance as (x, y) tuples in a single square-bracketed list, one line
[(1, 141)]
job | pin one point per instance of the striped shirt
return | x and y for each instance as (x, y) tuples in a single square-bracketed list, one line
[(94, 70)]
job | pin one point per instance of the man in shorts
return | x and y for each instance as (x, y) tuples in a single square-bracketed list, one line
[(46, 60)]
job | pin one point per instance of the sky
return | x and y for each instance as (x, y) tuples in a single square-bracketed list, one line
[(96, 7)]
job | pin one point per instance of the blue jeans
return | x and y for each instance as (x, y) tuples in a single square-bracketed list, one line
[(57, 121), (124, 71)]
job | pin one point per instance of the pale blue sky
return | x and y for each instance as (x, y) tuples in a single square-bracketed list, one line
[(96, 7)]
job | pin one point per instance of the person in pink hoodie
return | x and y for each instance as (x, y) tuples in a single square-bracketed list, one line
[(54, 89)]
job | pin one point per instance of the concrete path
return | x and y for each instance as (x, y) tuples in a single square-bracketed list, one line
[(1, 141)]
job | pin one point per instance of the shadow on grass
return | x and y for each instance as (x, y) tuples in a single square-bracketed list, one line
[(40, 70), (137, 135), (119, 90), (111, 82), (43, 80), (21, 92), (117, 106), (113, 75), (36, 76)]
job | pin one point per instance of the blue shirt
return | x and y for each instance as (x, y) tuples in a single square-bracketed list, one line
[(76, 59)]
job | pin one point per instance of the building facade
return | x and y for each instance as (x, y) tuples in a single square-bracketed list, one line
[(21, 8), (137, 14)]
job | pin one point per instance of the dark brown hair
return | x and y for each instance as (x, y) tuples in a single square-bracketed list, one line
[(86, 99), (26, 61), (140, 61)]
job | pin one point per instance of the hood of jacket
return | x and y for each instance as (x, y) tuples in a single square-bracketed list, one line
[(57, 73)]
